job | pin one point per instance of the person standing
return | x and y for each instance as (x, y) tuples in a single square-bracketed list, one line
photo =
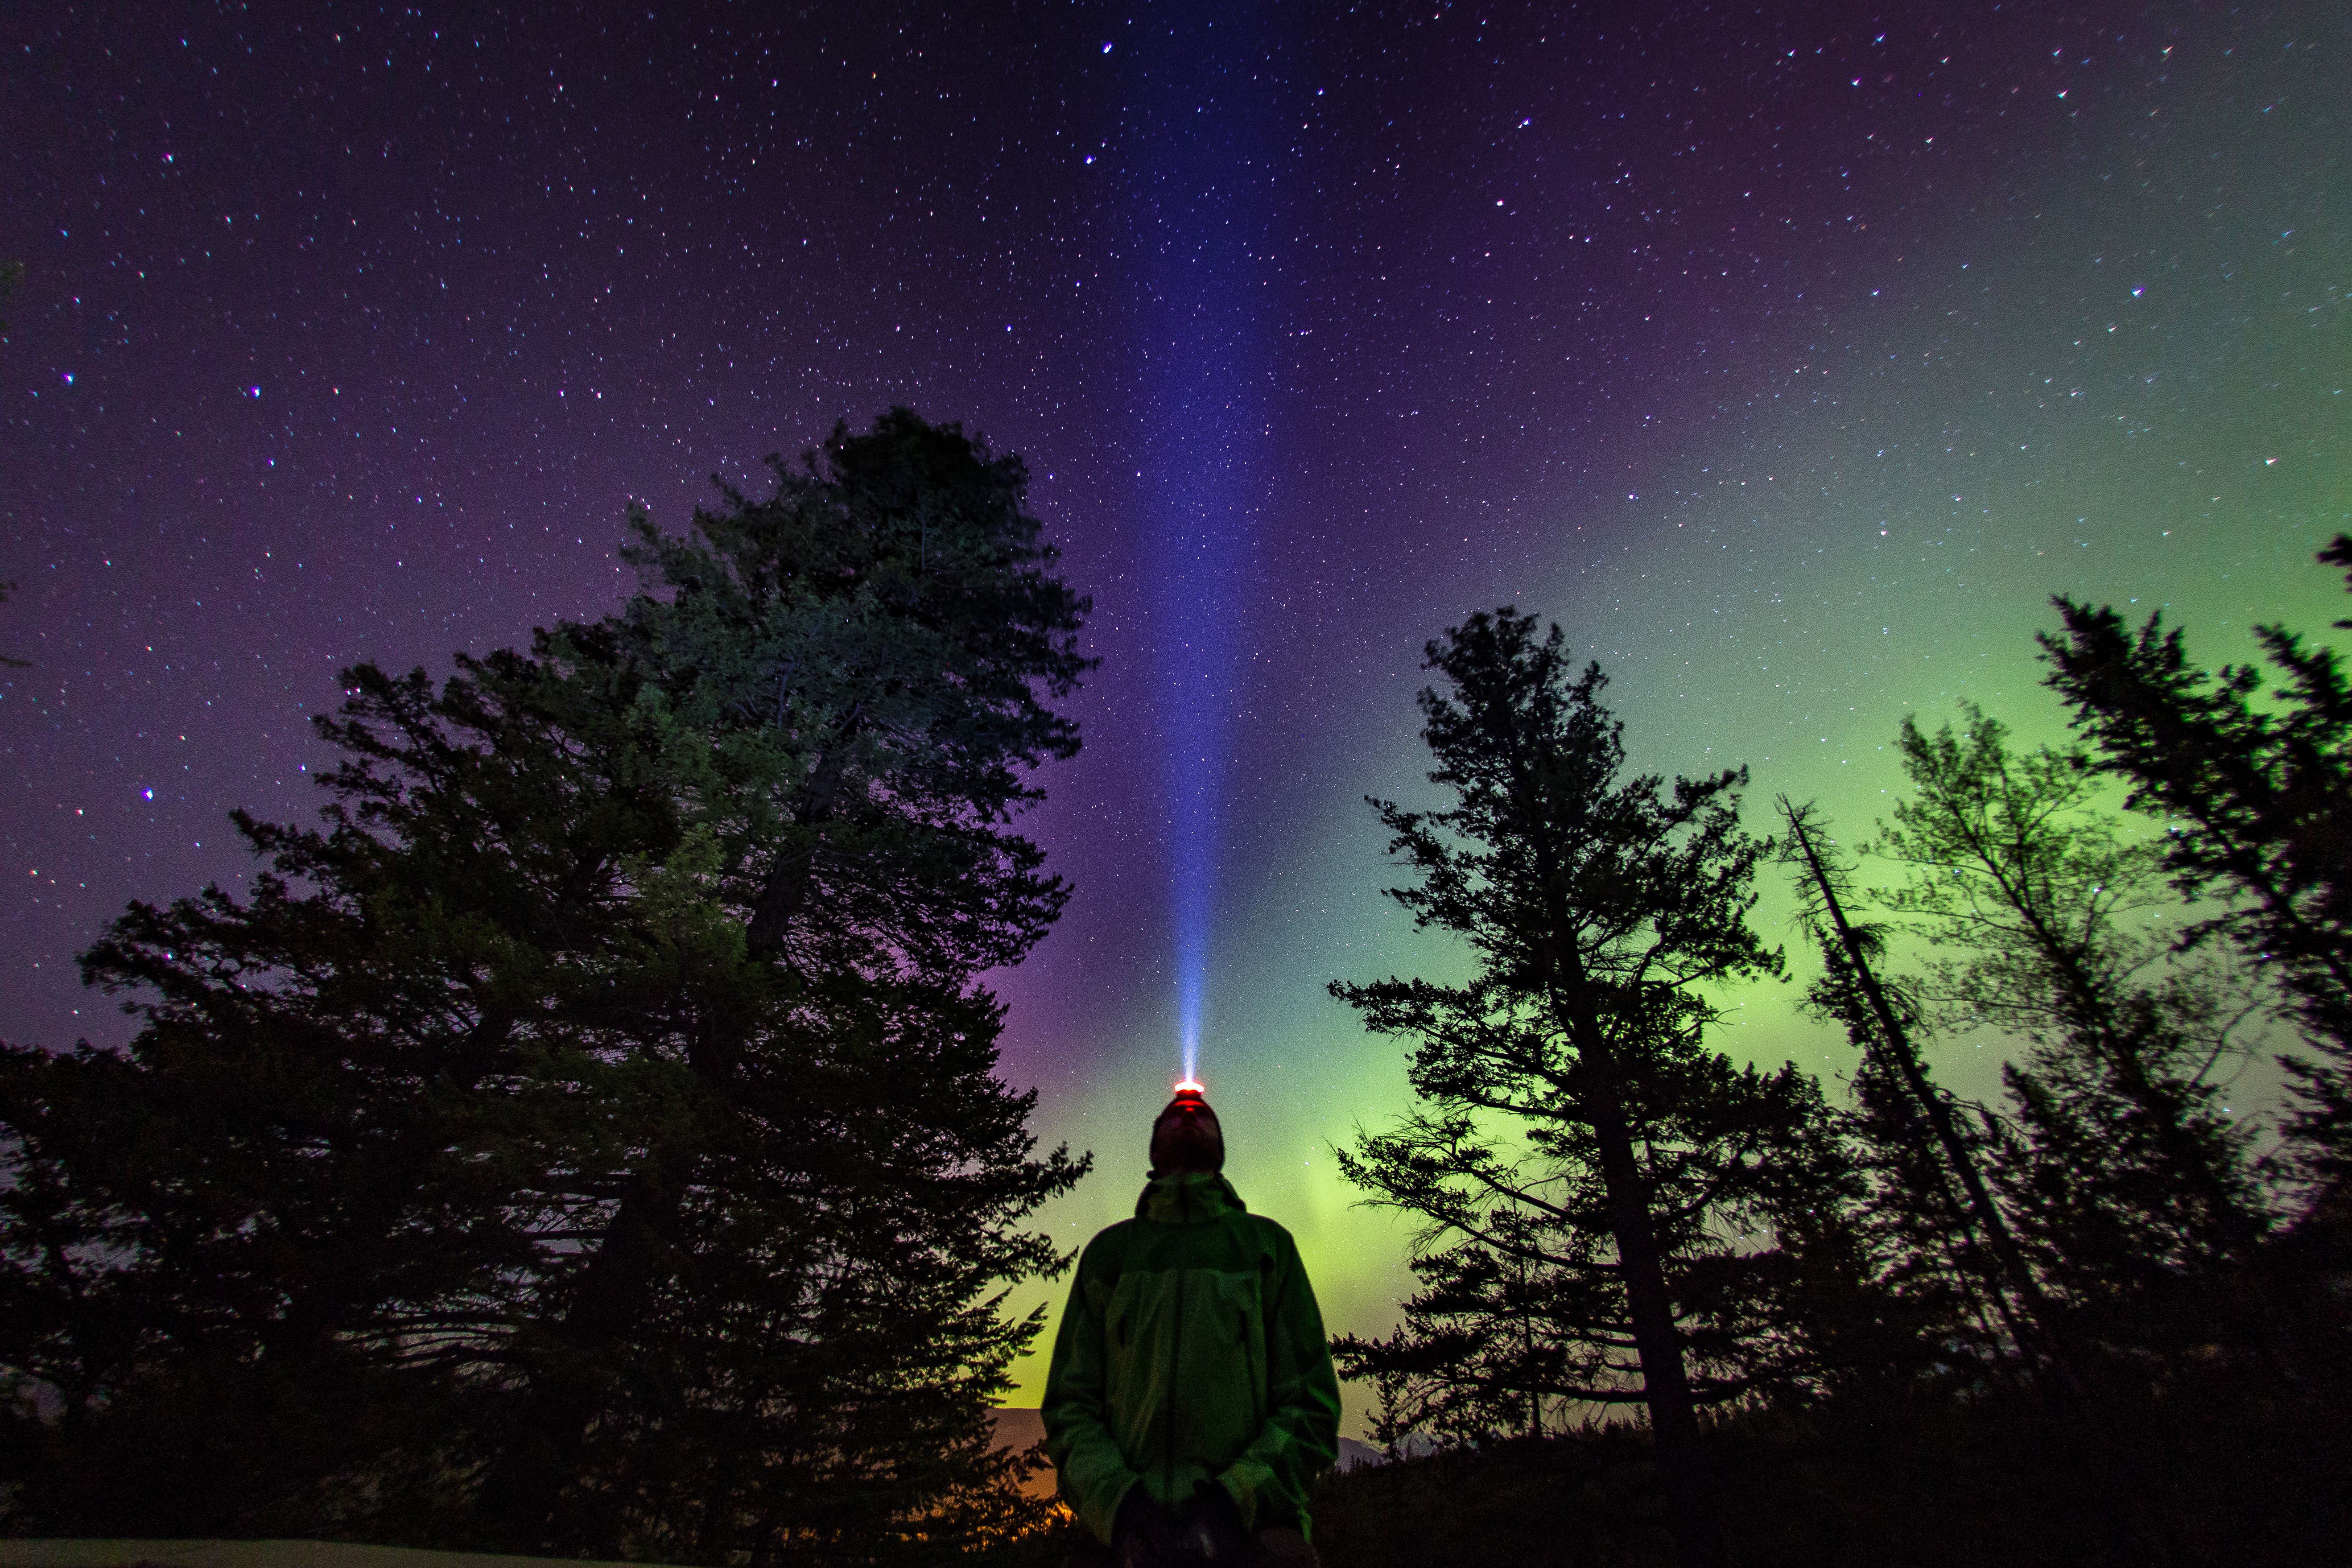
[(1190, 1401)]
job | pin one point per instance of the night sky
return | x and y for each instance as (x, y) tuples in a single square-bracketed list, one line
[(1789, 356)]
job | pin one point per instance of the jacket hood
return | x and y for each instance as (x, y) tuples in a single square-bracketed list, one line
[(1188, 1197)]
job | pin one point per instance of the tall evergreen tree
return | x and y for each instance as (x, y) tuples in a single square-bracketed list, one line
[(639, 1227), (2052, 925), (1521, 1324), (1925, 1251), (1600, 908), (855, 667), (308, 1193), (1936, 1242), (2252, 789)]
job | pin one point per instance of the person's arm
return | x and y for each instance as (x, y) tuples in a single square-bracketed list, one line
[(1272, 1479), (1091, 1474)]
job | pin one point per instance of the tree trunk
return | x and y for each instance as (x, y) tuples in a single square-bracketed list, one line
[(1683, 1467), (638, 1253), (1665, 1382), (785, 891), (1898, 1040), (523, 1498), (2138, 1532)]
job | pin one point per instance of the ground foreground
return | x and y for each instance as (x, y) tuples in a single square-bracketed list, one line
[(2262, 1485), (1923, 1491), (245, 1555)]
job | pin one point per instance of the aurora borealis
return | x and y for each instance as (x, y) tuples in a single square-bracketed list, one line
[(1789, 357)]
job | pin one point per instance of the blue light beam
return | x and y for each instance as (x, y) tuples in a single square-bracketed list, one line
[(1208, 331)]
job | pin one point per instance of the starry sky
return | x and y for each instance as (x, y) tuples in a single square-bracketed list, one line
[(1790, 356)]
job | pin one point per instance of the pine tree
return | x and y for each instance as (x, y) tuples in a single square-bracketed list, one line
[(2056, 930), (852, 666), (643, 1227), (1926, 1252), (297, 1198), (1599, 909), (1938, 1240), (1521, 1324), (2253, 793)]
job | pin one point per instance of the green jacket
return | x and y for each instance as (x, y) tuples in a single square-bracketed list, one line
[(1192, 1347)]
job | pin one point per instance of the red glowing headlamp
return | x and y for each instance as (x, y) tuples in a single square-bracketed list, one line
[(1185, 1136)]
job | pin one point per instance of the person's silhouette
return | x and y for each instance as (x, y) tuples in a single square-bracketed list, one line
[(1191, 1402)]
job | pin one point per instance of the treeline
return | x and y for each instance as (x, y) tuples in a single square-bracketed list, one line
[(587, 1139), (1612, 1212)]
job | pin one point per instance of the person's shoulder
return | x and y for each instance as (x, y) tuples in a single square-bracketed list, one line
[(1113, 1233), (1269, 1233), (1108, 1247)]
